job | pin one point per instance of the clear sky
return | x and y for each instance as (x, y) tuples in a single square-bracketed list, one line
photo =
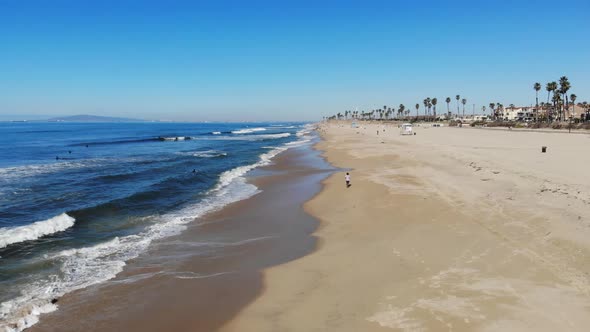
[(280, 60)]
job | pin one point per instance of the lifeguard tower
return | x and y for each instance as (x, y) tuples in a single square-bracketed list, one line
[(406, 129)]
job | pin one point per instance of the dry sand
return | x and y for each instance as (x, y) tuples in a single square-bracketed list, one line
[(453, 229)]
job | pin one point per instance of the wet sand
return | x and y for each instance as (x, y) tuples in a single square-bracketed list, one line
[(200, 279), (449, 230)]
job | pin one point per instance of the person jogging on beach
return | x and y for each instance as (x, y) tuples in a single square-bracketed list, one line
[(347, 178)]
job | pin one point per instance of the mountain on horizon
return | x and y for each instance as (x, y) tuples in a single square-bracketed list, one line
[(93, 118)]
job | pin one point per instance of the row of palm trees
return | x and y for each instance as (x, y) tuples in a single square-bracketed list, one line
[(387, 113), (555, 108), (556, 95)]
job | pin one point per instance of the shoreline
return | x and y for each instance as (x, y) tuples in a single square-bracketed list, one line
[(446, 230), (199, 279)]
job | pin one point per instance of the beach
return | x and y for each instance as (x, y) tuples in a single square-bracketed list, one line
[(453, 229), (294, 166)]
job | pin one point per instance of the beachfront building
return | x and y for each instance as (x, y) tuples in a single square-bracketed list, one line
[(473, 118), (518, 114), (481, 117), (575, 112)]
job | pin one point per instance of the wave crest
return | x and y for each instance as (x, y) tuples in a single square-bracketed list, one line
[(247, 130), (12, 235)]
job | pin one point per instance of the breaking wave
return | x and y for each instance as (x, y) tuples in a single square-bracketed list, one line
[(34, 231)]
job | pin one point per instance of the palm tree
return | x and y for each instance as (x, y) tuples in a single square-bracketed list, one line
[(483, 110), (463, 101), (492, 106), (434, 102), (401, 108), (551, 87), (564, 86), (573, 98), (556, 101), (417, 107), (537, 87), (448, 100), (457, 97), (500, 109)]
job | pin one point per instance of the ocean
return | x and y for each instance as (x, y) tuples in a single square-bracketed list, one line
[(78, 200)]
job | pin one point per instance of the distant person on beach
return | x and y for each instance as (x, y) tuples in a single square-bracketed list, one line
[(347, 178)]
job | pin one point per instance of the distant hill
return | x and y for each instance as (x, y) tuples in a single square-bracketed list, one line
[(93, 118)]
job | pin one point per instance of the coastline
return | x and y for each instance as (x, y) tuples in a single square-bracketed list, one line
[(201, 278), (447, 230)]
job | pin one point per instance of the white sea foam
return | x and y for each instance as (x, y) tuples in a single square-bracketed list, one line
[(175, 138), (271, 136), (204, 154), (244, 137), (83, 267), (247, 130), (209, 154), (20, 172), (216, 133), (303, 132), (228, 177), (298, 142), (11, 235), (282, 127)]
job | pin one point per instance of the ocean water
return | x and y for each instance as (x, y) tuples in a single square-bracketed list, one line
[(78, 200)]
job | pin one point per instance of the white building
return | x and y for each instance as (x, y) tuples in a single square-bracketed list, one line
[(518, 114)]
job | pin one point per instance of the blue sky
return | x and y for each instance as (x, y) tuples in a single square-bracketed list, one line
[(281, 60)]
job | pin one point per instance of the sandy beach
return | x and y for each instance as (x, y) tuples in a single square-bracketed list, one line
[(453, 229)]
